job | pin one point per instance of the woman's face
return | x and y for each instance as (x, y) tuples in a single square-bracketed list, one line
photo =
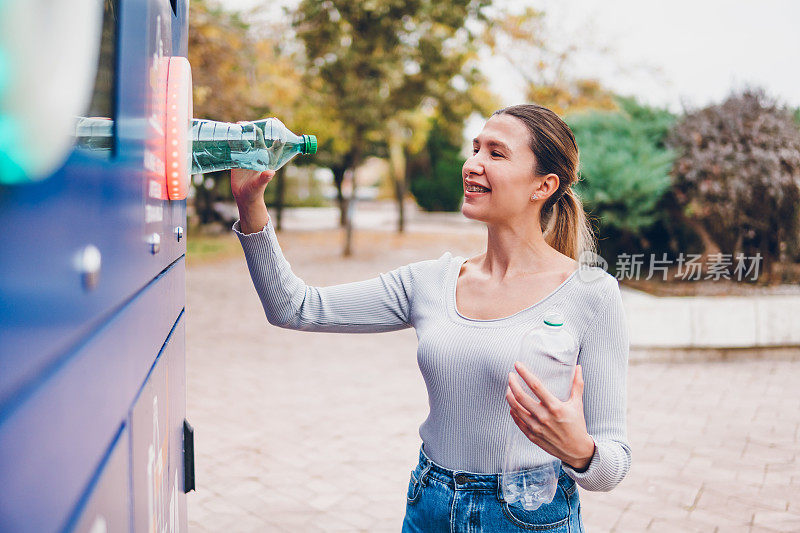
[(499, 177)]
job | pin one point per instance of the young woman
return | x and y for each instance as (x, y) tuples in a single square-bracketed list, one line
[(469, 315)]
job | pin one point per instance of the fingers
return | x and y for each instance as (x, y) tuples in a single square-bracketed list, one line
[(265, 177), (537, 387), (249, 185), (519, 400), (524, 426), (513, 403), (251, 177), (534, 434), (577, 385), (243, 174)]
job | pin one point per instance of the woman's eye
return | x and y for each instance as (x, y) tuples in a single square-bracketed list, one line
[(474, 150), (497, 154)]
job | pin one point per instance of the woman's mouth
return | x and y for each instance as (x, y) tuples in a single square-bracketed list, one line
[(473, 189)]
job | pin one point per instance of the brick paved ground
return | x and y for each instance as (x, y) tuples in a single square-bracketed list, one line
[(318, 432)]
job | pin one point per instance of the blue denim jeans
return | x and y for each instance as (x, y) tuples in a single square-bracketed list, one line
[(455, 501)]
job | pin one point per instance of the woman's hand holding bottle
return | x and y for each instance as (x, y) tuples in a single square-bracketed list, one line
[(557, 427), (248, 188)]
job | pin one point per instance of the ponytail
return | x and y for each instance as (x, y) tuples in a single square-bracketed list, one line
[(566, 227), (564, 223)]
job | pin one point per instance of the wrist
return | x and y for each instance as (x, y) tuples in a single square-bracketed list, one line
[(582, 461), (252, 216), (249, 203)]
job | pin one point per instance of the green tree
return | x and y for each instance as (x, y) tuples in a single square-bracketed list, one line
[(280, 88), (407, 134), (246, 71), (221, 59), (624, 172), (436, 184), (377, 60), (220, 87)]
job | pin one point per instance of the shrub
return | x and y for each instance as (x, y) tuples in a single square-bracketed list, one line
[(738, 173)]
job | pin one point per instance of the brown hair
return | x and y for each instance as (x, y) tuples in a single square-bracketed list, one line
[(564, 222)]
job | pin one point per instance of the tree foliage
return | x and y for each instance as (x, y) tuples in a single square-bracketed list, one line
[(436, 183), (381, 57), (375, 64), (543, 61), (248, 71), (624, 164), (221, 59), (365, 77), (738, 174)]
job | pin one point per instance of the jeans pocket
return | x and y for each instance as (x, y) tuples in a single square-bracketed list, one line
[(414, 490), (568, 484)]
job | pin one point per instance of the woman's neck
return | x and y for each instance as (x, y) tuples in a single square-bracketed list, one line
[(517, 250)]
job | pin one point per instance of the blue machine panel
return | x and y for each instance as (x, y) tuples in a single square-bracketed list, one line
[(53, 438), (159, 501), (84, 358), (105, 202), (107, 506)]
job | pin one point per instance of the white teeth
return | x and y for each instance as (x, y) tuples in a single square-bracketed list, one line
[(476, 188)]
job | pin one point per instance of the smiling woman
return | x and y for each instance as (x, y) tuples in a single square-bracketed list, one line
[(515, 141), (470, 315)]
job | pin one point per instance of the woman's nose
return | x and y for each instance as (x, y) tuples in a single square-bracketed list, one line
[(473, 165)]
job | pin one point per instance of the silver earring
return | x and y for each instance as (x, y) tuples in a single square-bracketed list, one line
[(535, 197)]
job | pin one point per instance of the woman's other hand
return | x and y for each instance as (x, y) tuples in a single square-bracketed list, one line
[(557, 427), (248, 188)]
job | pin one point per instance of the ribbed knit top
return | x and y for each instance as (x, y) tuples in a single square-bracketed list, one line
[(465, 362)]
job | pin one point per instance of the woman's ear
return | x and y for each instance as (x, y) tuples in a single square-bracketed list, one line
[(548, 186)]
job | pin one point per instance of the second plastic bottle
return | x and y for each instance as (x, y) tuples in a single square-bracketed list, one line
[(550, 352)]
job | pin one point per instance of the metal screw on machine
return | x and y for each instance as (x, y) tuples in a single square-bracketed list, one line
[(89, 262), (179, 233), (154, 241)]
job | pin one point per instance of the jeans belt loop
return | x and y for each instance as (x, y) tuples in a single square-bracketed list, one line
[(424, 473)]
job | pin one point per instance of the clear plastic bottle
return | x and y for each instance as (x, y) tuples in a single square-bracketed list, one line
[(261, 145), (94, 133), (550, 352)]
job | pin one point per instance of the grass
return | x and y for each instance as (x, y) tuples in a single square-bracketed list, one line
[(203, 249)]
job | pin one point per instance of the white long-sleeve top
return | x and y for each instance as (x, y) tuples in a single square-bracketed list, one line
[(465, 362)]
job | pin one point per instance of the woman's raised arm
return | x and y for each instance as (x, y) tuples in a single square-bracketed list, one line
[(374, 305), (379, 304)]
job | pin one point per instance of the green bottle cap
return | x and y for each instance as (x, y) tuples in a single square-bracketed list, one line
[(554, 318), (311, 144)]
